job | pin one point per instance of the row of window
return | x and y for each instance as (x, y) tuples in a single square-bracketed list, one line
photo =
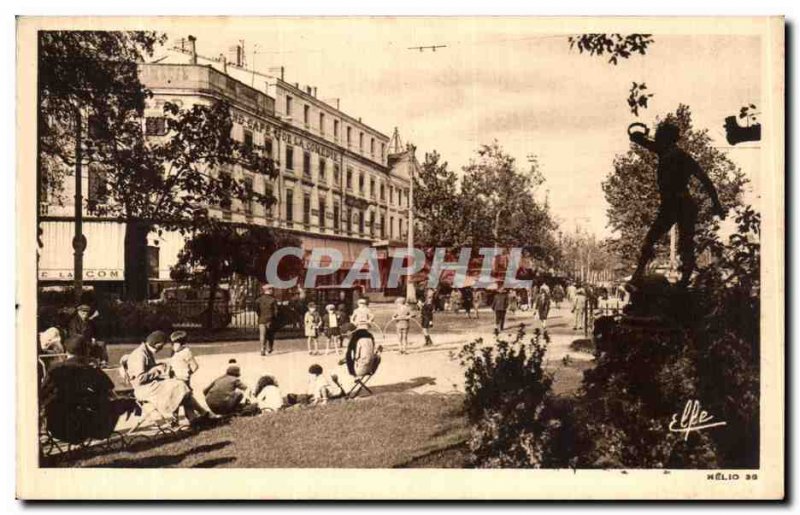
[(322, 128), (357, 217)]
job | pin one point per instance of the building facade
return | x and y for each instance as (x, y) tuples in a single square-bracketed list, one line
[(337, 184)]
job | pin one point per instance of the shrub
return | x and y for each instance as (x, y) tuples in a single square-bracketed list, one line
[(509, 403)]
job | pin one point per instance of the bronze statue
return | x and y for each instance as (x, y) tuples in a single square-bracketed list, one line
[(675, 168)]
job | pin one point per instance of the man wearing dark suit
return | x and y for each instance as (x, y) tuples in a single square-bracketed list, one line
[(500, 305), (82, 324), (267, 309)]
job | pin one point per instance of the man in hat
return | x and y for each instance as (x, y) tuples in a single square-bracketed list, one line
[(79, 400), (267, 309), (151, 382), (82, 324)]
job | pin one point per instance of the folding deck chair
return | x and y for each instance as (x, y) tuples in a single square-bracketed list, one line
[(149, 413)]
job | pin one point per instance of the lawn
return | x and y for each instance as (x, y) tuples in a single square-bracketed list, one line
[(387, 430)]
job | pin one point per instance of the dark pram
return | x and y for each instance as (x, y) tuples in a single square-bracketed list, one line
[(362, 358)]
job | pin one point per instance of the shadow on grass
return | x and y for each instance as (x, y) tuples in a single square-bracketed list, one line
[(171, 459), (403, 386), (214, 462)]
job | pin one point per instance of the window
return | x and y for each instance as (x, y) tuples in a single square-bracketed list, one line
[(336, 174), (225, 204), (336, 220), (383, 192), (372, 146), (98, 185), (307, 164), (349, 178), (361, 142), (269, 201), (289, 206), (155, 126), (322, 207), (152, 261), (306, 113), (336, 130), (349, 222), (289, 157), (268, 147), (391, 194), (408, 198), (361, 222), (307, 210), (372, 188), (372, 223), (322, 123), (391, 227), (361, 183), (349, 134), (248, 139), (288, 105), (383, 226), (248, 200), (321, 169), (383, 151)]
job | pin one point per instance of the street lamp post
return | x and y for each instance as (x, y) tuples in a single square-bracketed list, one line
[(78, 240), (411, 293)]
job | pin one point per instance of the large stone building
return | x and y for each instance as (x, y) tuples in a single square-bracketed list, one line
[(339, 183)]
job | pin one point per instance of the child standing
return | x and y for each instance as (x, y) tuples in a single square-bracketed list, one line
[(312, 323), (427, 309), (330, 323), (362, 317), (344, 322), (401, 317), (182, 363)]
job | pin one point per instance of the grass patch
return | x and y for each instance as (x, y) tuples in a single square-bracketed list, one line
[(387, 430)]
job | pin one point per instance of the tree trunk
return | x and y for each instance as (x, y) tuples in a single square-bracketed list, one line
[(136, 260)]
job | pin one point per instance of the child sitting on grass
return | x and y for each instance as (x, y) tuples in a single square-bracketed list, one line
[(319, 390), (312, 323)]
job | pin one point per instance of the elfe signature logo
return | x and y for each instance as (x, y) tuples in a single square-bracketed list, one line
[(692, 419)]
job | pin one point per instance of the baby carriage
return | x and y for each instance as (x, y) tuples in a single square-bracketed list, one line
[(362, 358)]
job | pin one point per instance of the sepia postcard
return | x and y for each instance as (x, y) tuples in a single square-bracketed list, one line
[(402, 258)]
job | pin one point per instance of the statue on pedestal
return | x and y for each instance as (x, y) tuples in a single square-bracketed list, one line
[(675, 168)]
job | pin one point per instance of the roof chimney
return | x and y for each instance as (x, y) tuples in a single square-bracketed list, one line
[(315, 92), (224, 61), (193, 49)]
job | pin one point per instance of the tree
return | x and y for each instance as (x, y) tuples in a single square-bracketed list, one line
[(171, 181), (438, 205), (213, 255), (632, 193), (499, 204)]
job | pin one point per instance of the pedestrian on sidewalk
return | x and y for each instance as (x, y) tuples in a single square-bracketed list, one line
[(312, 323), (426, 310), (579, 308), (467, 301), (499, 306), (267, 310), (401, 316), (542, 307)]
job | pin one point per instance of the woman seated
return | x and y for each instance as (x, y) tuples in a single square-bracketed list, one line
[(151, 382)]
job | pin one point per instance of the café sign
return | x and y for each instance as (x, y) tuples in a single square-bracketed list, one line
[(90, 274)]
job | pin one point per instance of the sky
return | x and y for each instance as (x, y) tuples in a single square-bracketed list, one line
[(498, 78)]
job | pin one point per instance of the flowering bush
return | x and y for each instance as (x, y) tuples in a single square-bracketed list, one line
[(509, 403)]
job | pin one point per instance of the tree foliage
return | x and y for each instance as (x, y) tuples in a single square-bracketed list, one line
[(211, 256), (173, 180), (616, 46), (632, 192)]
